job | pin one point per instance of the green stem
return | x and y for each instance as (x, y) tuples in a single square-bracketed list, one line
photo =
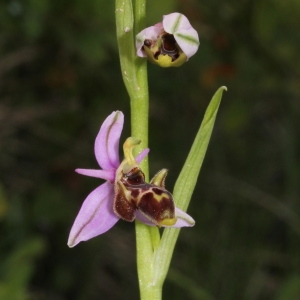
[(134, 72)]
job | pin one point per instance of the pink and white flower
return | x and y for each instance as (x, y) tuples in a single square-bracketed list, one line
[(168, 43), (96, 215)]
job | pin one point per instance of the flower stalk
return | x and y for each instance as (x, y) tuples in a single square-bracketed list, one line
[(134, 72)]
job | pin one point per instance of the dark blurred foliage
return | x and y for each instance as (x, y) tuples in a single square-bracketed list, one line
[(59, 79)]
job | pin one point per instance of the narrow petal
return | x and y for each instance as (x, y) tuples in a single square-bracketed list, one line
[(183, 219), (103, 174), (142, 155), (150, 33), (96, 215), (107, 141)]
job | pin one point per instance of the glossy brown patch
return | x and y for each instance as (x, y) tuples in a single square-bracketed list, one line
[(134, 177)]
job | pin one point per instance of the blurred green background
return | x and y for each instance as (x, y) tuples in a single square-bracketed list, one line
[(60, 78)]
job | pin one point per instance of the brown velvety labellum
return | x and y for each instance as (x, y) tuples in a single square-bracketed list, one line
[(152, 200)]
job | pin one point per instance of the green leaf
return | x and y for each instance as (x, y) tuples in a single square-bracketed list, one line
[(185, 185), (188, 176)]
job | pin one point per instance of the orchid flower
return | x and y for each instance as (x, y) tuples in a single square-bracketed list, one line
[(169, 43), (103, 206)]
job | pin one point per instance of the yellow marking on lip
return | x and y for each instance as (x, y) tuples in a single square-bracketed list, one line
[(167, 222), (158, 198)]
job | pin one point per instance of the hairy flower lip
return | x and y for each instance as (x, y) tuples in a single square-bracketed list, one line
[(96, 215), (179, 26)]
